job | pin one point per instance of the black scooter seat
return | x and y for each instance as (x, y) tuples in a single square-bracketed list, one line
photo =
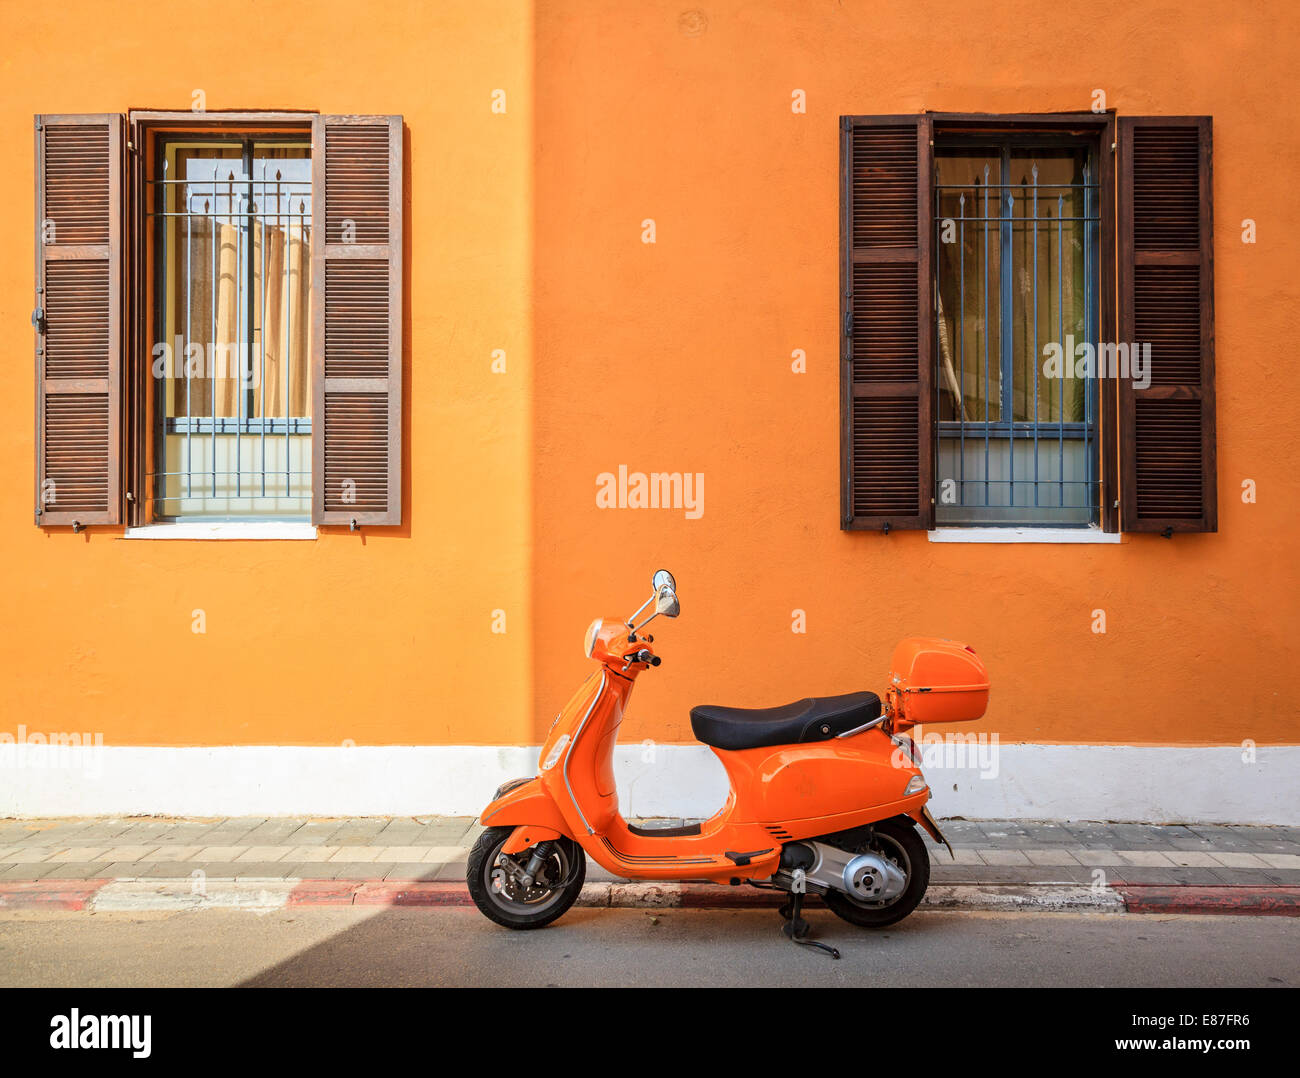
[(816, 718)]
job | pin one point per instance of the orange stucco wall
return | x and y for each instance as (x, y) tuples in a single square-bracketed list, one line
[(524, 232)]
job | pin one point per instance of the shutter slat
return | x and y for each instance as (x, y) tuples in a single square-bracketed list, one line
[(1166, 282), (886, 436), (79, 270), (357, 320)]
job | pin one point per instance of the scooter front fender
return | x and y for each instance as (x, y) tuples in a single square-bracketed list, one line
[(526, 806)]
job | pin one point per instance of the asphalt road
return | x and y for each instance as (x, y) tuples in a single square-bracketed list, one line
[(603, 947)]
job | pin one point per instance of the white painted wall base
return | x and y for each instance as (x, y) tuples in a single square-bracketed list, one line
[(1040, 782)]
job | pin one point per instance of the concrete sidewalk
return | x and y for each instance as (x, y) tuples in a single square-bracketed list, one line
[(999, 864)]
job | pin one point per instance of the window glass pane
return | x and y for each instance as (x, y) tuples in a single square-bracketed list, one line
[(232, 252), (969, 263), (1015, 264), (1049, 294)]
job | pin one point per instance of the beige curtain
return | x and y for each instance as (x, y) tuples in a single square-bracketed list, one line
[(208, 280)]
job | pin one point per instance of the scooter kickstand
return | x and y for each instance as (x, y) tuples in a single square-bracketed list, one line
[(795, 927)]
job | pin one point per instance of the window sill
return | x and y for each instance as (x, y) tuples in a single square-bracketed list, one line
[(231, 529), (1022, 535)]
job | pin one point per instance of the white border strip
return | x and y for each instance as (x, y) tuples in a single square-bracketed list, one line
[(1022, 535), (225, 529), (1040, 782)]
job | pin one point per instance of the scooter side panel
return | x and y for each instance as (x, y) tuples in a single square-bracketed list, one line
[(860, 778)]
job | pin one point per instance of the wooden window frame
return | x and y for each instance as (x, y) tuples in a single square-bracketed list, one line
[(144, 129)]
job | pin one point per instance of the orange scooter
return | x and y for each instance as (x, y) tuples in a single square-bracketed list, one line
[(826, 793)]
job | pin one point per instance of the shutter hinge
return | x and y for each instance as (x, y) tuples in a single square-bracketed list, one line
[(848, 322), (38, 319), (1168, 533)]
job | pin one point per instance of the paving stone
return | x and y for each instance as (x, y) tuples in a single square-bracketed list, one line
[(1131, 835), (1144, 874), (360, 870), (124, 869), (411, 870), (1098, 858), (1003, 857), (262, 870), (965, 856), (310, 853), (75, 870), (312, 870), (1147, 858), (28, 871), (215, 870), (1092, 835), (184, 835), (316, 833), (1228, 838), (102, 833), (1200, 877), (170, 870), (358, 833), (360, 853), (1256, 877), (128, 853), (1239, 859), (405, 853), (1192, 858), (276, 832), (78, 853), (1049, 856), (219, 853), (441, 835), (1281, 860), (264, 853), (28, 855)]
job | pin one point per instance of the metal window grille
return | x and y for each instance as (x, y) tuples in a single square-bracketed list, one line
[(1015, 464), (232, 241)]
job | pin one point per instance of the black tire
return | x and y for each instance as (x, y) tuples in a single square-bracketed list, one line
[(541, 906), (897, 840)]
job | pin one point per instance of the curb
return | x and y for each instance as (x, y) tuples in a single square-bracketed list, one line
[(135, 895), (1157, 898)]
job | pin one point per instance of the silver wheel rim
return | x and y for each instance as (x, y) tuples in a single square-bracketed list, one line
[(891, 849), (507, 894)]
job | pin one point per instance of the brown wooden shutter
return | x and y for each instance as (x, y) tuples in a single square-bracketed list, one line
[(356, 299), (78, 319), (1166, 298), (887, 440)]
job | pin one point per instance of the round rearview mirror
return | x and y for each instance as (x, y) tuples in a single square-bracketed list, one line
[(662, 577), (666, 602)]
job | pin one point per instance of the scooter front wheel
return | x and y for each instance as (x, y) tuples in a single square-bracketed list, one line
[(897, 840), (498, 891)]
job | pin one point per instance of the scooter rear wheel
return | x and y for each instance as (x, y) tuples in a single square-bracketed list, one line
[(503, 899), (897, 840)]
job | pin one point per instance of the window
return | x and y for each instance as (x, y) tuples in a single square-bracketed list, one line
[(1027, 322), (1015, 263), (219, 318), (232, 415)]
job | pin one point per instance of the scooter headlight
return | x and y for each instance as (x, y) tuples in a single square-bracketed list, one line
[(590, 640)]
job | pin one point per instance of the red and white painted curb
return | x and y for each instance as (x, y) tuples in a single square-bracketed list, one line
[(137, 895)]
